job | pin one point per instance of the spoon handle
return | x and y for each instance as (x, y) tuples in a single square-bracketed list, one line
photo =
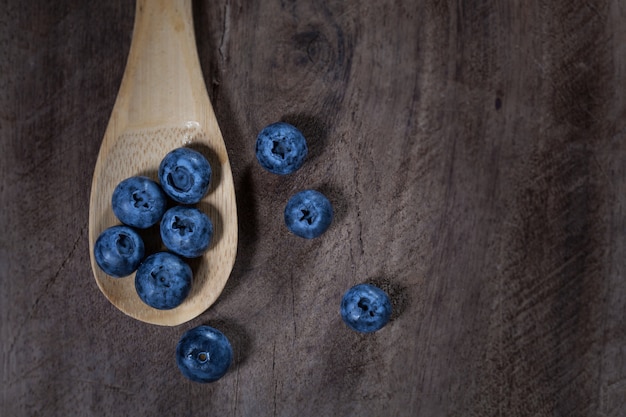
[(163, 81)]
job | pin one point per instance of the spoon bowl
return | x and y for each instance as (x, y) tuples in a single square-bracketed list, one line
[(163, 104)]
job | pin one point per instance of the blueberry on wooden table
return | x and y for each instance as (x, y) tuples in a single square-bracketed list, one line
[(118, 251), (281, 148), (185, 175), (186, 231), (203, 354), (308, 214), (139, 202), (163, 280), (365, 308)]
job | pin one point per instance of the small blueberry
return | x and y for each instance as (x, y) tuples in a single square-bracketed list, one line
[(185, 175), (186, 231), (163, 281), (118, 251), (138, 202), (308, 214), (203, 354), (365, 308), (281, 148)]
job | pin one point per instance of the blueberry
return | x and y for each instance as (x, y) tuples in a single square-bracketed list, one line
[(365, 308), (139, 202), (308, 214), (203, 354), (281, 148), (118, 251), (186, 231), (163, 281), (185, 175)]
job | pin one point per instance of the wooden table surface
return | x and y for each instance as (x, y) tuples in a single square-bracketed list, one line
[(475, 154)]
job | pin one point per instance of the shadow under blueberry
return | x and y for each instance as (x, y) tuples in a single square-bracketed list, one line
[(337, 200), (397, 294), (238, 337), (152, 239), (211, 156), (315, 132)]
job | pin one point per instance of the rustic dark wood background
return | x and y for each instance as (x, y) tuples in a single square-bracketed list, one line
[(475, 153)]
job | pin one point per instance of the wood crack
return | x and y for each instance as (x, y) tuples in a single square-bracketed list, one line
[(48, 284)]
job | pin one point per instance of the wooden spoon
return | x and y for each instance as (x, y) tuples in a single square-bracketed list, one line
[(162, 105)]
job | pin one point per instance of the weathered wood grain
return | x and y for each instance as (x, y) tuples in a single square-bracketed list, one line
[(475, 152)]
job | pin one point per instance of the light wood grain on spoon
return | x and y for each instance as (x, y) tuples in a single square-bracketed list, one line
[(163, 104)]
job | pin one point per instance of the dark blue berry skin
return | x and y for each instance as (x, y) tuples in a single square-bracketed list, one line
[(365, 308), (308, 214), (185, 175), (139, 202), (203, 354), (118, 251), (186, 231), (281, 148), (163, 280)]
